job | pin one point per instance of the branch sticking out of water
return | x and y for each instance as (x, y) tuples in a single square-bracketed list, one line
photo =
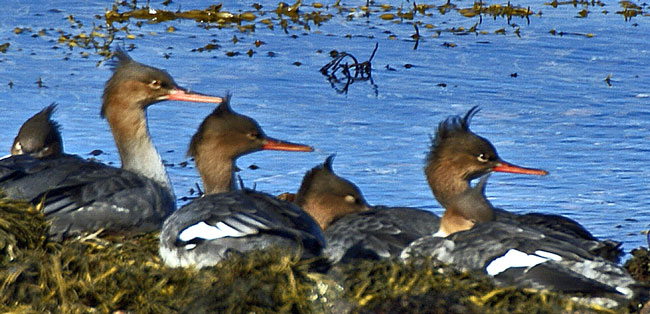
[(351, 72)]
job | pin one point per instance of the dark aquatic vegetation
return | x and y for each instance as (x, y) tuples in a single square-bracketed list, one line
[(125, 274), (593, 137), (351, 72), (639, 264), (561, 33)]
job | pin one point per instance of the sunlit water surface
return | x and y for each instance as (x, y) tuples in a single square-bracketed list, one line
[(556, 113)]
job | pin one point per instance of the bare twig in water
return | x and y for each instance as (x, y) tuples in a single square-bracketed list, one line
[(351, 72), (242, 186), (416, 37), (241, 183), (193, 194), (198, 189)]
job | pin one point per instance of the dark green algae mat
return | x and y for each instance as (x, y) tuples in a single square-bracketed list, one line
[(104, 274)]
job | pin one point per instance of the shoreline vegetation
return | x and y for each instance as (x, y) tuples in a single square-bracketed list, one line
[(112, 274)]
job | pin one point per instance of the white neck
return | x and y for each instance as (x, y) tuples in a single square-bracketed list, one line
[(137, 152), (142, 157)]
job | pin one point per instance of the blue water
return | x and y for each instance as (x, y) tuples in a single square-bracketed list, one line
[(558, 113)]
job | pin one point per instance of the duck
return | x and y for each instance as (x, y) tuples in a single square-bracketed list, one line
[(39, 136), (80, 196), (458, 156), (226, 220), (537, 251), (352, 228), (518, 254)]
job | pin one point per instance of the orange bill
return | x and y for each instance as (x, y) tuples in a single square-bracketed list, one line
[(506, 167), (179, 94), (273, 144)]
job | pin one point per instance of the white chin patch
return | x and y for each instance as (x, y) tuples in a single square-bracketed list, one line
[(515, 258), (205, 231)]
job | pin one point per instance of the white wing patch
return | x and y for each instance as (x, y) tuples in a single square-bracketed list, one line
[(549, 255), (205, 231), (625, 291), (515, 258)]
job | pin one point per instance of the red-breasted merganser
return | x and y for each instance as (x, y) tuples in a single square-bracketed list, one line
[(458, 156), (353, 229), (545, 251), (39, 136), (225, 221), (82, 196), (522, 255)]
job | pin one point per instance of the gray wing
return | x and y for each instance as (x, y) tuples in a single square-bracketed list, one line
[(568, 268), (206, 230), (379, 233), (81, 196), (565, 228)]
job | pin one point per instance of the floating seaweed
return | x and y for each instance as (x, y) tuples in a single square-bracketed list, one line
[(628, 8), (351, 72), (574, 3), (496, 10), (121, 20), (561, 33)]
